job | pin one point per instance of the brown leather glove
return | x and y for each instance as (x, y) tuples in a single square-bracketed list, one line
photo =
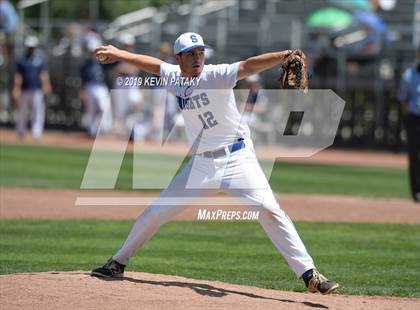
[(294, 73)]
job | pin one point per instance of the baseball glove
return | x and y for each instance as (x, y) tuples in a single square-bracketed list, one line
[(294, 74)]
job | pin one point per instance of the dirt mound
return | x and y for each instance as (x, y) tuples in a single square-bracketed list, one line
[(78, 290)]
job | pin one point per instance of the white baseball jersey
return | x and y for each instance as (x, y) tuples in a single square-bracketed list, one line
[(208, 107)]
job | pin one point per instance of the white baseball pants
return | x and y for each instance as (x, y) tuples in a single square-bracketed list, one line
[(98, 109), (35, 100), (238, 174)]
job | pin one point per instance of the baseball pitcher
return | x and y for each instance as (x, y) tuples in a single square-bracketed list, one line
[(224, 157)]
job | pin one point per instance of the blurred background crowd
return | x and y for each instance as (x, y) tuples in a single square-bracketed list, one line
[(50, 78)]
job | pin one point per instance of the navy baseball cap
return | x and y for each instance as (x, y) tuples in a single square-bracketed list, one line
[(188, 41)]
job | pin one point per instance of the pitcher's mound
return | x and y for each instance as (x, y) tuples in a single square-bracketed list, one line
[(78, 290)]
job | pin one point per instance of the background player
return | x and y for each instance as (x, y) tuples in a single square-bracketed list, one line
[(164, 104), (223, 158), (31, 83), (127, 100), (410, 98), (94, 92), (256, 102)]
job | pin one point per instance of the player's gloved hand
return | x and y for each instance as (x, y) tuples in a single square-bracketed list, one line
[(107, 54), (294, 74)]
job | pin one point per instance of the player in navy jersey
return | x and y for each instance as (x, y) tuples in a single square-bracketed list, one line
[(31, 83)]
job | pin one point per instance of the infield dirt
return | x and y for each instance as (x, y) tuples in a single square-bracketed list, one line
[(78, 290), (28, 203)]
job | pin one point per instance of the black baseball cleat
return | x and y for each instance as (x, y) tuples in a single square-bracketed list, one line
[(112, 269), (316, 282)]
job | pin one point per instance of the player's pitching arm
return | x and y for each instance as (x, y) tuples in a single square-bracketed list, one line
[(257, 64), (109, 54)]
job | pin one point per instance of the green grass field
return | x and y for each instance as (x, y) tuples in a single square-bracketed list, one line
[(48, 167), (368, 259)]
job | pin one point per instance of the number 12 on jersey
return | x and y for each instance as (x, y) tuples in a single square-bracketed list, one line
[(207, 119)]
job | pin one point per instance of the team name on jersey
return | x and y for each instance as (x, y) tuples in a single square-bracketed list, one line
[(193, 102)]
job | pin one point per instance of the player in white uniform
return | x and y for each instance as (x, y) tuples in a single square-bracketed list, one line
[(224, 157), (126, 101), (94, 93)]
